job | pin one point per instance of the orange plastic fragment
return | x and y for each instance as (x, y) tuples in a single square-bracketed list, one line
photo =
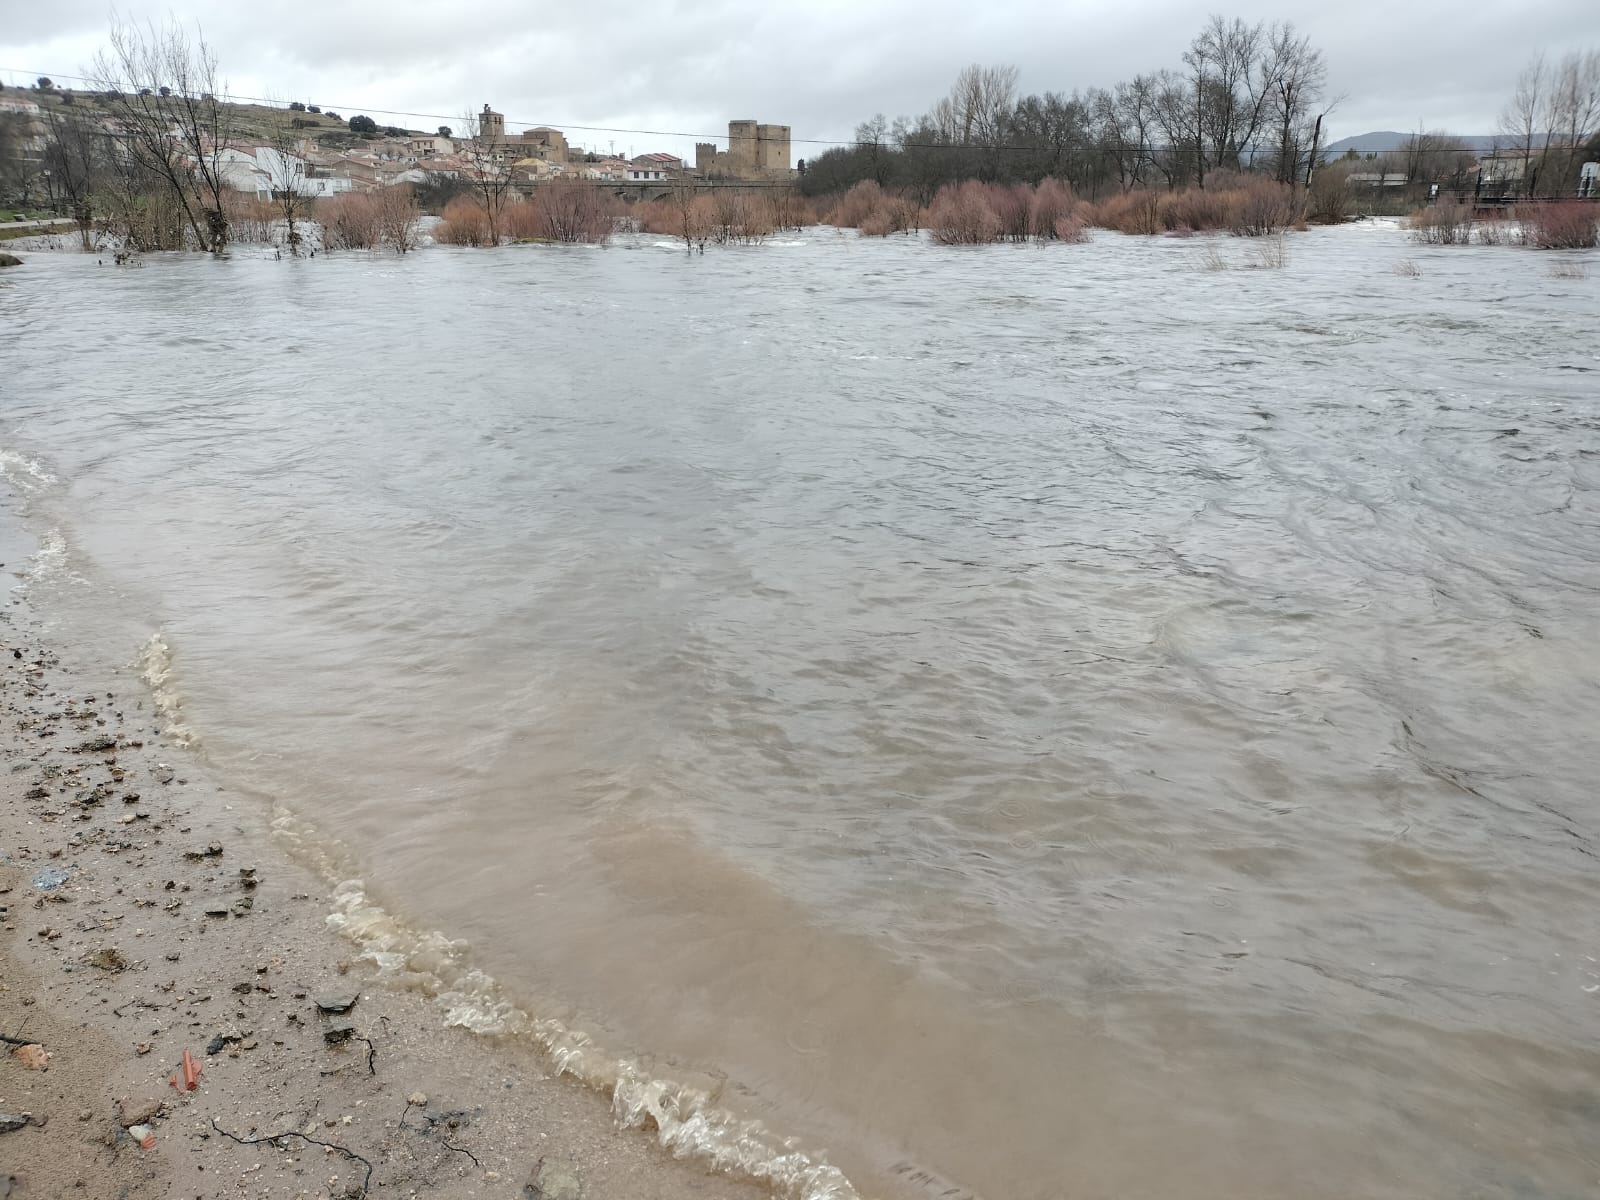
[(191, 1071)]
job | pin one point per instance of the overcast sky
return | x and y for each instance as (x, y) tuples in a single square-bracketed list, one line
[(820, 67)]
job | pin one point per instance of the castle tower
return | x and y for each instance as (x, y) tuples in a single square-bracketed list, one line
[(772, 142), (705, 157), (742, 147)]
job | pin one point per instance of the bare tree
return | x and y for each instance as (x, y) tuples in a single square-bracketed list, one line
[(1435, 157), (1522, 116), (491, 175), (1230, 95), (1292, 77), (74, 159), (690, 220), (397, 217), (978, 107), (1572, 115), (163, 94), (286, 178)]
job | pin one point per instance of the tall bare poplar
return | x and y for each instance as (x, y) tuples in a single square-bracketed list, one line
[(1522, 116)]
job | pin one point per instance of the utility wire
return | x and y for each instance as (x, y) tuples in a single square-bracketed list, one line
[(845, 143)]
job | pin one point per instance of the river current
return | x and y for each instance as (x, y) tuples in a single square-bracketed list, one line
[(1018, 722)]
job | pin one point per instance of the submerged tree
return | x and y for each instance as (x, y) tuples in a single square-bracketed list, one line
[(162, 91), (75, 158), (491, 174), (286, 174)]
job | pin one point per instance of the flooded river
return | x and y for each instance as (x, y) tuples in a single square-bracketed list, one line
[(1022, 723)]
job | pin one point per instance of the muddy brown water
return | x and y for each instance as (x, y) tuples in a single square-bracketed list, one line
[(1020, 723)]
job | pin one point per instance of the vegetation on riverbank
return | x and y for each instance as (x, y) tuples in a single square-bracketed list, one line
[(1562, 225)]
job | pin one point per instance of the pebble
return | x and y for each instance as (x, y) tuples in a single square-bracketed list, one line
[(134, 1112), (417, 1099), (554, 1179), (337, 1002), (11, 1120)]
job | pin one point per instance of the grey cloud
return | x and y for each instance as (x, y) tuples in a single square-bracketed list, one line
[(819, 67)]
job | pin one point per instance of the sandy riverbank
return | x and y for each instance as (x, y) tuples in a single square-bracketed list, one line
[(146, 911)]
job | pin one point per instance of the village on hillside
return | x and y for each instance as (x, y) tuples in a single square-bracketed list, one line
[(318, 153)]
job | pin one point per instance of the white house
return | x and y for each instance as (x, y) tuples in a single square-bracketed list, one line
[(644, 174), (263, 170)]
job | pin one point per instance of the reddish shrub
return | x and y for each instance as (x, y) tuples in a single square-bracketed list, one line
[(682, 215), (1442, 224), (1071, 229), (879, 224), (961, 216), (465, 223), (1564, 225), (1052, 204), (1137, 211), (788, 209), (350, 221), (1012, 207), (856, 205), (395, 209), (1194, 210), (563, 211), (1264, 207)]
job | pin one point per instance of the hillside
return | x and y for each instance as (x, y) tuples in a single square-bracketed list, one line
[(1384, 141), (252, 122)]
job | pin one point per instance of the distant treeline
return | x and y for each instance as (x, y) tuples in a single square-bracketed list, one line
[(1246, 98)]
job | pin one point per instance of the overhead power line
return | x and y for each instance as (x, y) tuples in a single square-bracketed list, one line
[(849, 143)]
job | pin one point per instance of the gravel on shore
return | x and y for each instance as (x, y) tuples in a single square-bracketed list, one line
[(149, 921)]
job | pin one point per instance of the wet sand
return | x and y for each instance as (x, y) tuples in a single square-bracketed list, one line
[(178, 920)]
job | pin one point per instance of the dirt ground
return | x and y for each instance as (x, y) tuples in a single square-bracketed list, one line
[(145, 913)]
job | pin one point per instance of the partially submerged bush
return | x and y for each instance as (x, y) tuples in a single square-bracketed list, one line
[(350, 221), (559, 211), (1052, 208), (1264, 208), (738, 218), (974, 213), (367, 220), (1071, 229), (1563, 225), (1012, 207), (464, 222), (862, 201), (250, 220), (1137, 211), (1443, 224), (1331, 196), (788, 209), (962, 216)]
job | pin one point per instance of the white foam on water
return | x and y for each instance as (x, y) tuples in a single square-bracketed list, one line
[(686, 1120), (26, 473), (158, 670), (49, 561)]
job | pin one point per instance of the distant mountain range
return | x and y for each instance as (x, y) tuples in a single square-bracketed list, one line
[(1384, 140)]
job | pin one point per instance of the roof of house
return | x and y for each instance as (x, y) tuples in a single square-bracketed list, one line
[(658, 156)]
